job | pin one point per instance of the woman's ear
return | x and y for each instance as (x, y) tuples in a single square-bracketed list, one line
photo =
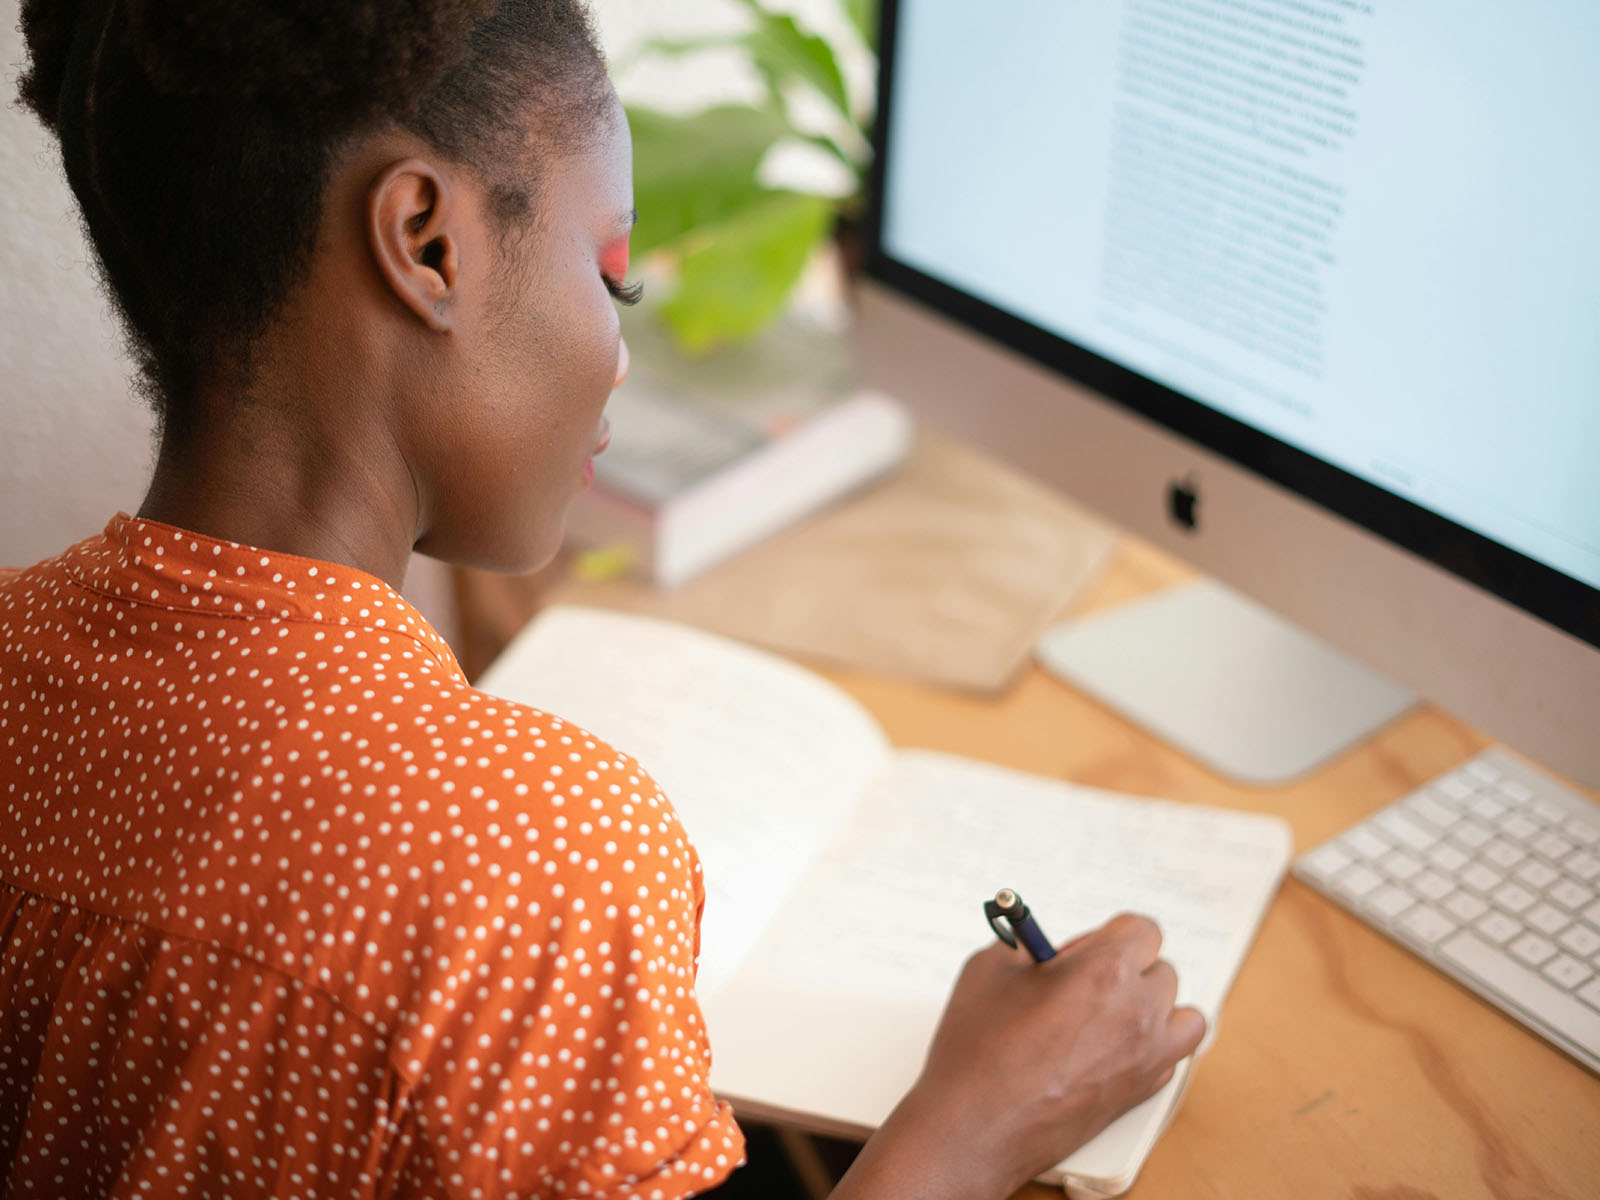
[(412, 239)]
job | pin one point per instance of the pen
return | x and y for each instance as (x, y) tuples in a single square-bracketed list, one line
[(1018, 926)]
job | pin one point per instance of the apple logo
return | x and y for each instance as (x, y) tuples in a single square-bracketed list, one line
[(1183, 499)]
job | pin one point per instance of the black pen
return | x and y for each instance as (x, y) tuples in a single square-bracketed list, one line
[(1018, 925)]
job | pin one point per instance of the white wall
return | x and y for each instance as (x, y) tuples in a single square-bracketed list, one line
[(75, 445)]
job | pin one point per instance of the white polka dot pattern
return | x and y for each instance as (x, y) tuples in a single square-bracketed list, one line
[(288, 909)]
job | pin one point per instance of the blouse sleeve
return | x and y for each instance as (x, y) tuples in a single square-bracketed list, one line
[(560, 1049)]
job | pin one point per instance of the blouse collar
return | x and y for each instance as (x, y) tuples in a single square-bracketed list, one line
[(149, 562)]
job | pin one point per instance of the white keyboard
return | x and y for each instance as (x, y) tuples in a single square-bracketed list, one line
[(1492, 874)]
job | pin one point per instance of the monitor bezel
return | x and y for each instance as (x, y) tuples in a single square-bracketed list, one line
[(1537, 588)]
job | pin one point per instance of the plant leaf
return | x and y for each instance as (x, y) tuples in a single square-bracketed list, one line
[(730, 287), (690, 171), (782, 50), (678, 47), (863, 15)]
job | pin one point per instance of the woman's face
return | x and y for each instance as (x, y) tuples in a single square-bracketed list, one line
[(535, 351)]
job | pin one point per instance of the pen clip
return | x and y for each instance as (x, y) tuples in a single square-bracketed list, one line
[(1000, 922)]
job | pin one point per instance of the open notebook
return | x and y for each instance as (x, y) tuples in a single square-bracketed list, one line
[(806, 819)]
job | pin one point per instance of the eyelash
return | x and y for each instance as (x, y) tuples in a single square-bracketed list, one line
[(625, 293)]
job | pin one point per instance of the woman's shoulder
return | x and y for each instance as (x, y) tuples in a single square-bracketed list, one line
[(473, 827), (423, 745)]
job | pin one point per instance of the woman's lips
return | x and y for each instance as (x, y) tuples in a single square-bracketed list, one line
[(599, 448)]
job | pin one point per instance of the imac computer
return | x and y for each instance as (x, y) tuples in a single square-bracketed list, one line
[(1306, 291)]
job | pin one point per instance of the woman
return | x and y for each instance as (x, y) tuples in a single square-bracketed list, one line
[(286, 907)]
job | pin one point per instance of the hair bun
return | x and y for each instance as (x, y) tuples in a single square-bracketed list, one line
[(314, 62)]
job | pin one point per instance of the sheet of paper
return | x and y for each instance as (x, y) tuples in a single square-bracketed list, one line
[(761, 758), (862, 958), (937, 835)]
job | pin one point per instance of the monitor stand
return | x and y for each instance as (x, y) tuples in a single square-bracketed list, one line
[(1224, 680)]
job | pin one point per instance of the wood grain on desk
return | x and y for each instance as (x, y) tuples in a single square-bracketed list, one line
[(1343, 1066)]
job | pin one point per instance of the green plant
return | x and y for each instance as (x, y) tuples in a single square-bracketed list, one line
[(738, 247)]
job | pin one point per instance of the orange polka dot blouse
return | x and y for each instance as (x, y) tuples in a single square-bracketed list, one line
[(289, 909)]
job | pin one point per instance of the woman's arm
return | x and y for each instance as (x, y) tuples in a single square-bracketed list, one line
[(1029, 1062)]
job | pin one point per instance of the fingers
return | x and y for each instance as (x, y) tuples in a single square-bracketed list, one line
[(1074, 942), (1138, 939), (1162, 979), (1131, 940), (1186, 1028)]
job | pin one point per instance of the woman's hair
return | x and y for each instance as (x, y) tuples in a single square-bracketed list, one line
[(197, 137)]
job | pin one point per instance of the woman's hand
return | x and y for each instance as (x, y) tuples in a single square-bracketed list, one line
[(1029, 1062)]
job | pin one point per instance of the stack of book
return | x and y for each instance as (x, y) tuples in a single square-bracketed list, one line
[(708, 456)]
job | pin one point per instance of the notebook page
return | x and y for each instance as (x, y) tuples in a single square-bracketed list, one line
[(761, 758), (864, 955), (938, 834)]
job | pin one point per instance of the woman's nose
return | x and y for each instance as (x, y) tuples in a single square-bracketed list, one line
[(623, 362)]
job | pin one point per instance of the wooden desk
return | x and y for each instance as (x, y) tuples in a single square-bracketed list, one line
[(1343, 1066)]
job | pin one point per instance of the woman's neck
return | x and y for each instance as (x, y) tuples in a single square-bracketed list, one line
[(282, 486)]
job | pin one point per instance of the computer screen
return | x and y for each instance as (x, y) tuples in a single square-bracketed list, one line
[(1353, 245)]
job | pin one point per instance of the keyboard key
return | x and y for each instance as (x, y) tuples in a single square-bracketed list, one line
[(1581, 830), (1388, 902), (1364, 843), (1434, 887), (1447, 857), (1569, 973), (1404, 830), (1549, 1004), (1426, 808), (1514, 792), (1503, 854), (1453, 787), (1481, 878), (1466, 907), (1552, 847), (1428, 925), (1570, 894), (1550, 813), (1580, 939), (1498, 927), (1582, 864), (1592, 914), (1512, 898), (1482, 772), (1325, 861), (1517, 827), (1590, 992), (1486, 806), (1546, 920), (1357, 881), (1536, 874), (1532, 949), (1470, 834), (1399, 865)]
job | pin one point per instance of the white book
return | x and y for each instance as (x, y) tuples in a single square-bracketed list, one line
[(710, 455), (806, 818)]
